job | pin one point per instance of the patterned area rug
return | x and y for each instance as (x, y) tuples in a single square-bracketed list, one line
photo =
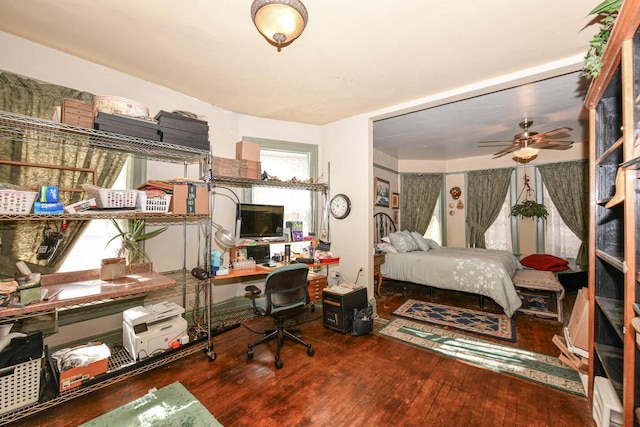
[(535, 367), (171, 406), (488, 324)]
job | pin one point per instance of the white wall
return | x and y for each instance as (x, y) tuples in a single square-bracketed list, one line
[(346, 145)]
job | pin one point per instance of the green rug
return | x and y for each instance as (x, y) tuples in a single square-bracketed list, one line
[(170, 406), (536, 367)]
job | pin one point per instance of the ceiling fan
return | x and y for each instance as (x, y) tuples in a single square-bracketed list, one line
[(527, 144)]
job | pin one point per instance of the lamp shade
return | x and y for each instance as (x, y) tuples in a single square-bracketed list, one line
[(526, 153), (225, 238), (279, 21)]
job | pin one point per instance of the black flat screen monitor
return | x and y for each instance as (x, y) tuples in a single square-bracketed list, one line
[(259, 221)]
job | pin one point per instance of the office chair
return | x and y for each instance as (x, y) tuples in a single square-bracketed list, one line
[(286, 293)]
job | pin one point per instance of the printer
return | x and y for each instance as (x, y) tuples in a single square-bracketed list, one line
[(153, 328)]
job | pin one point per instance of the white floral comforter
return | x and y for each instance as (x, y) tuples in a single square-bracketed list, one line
[(480, 271)]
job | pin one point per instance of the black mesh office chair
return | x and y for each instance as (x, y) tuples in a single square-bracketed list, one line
[(286, 293)]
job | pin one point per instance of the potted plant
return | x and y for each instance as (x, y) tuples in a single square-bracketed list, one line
[(529, 209), (607, 12), (131, 248)]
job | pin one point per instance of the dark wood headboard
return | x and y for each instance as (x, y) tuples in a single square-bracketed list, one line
[(383, 225)]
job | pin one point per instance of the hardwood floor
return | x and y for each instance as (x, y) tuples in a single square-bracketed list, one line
[(351, 381)]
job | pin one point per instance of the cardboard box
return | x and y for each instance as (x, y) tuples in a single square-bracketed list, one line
[(577, 332), (75, 376), (189, 199), (76, 113), (578, 363), (246, 150)]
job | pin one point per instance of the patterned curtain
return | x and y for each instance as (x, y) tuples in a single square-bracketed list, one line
[(568, 187), (419, 193), (20, 239), (486, 191)]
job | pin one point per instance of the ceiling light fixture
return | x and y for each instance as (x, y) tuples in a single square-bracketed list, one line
[(279, 21), (526, 152)]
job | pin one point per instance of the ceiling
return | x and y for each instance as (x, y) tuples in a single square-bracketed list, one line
[(354, 57)]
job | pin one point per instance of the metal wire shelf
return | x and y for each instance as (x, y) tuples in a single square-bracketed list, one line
[(246, 183), (17, 128), (156, 216)]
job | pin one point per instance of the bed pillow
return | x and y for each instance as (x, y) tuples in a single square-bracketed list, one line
[(422, 243), (386, 247), (545, 262), (433, 244), (403, 241)]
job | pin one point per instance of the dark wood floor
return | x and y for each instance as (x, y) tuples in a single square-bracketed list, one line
[(351, 381)]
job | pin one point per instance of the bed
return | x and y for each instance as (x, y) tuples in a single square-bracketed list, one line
[(484, 272)]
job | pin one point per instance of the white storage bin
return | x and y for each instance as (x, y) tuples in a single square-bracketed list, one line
[(107, 198), (19, 385), (14, 202), (153, 204)]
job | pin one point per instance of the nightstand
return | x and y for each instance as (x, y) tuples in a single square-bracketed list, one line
[(378, 260)]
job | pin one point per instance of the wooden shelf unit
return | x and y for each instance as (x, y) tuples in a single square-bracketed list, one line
[(614, 245)]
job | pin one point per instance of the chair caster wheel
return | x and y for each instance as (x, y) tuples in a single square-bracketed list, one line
[(278, 364), (212, 357), (250, 354), (311, 351)]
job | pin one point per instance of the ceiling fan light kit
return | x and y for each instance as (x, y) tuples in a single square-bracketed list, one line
[(279, 21), (526, 153)]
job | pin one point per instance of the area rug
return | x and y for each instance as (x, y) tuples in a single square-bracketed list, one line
[(535, 367), (488, 324), (170, 406)]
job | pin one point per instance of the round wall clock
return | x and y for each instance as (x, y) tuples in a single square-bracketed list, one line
[(340, 206)]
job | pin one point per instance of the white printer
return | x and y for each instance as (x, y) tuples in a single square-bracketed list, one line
[(153, 328)]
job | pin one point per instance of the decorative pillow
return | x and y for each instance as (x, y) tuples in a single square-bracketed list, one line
[(545, 262), (433, 244), (403, 241), (422, 243), (387, 247), (386, 239)]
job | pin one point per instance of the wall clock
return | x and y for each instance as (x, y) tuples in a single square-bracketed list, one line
[(340, 206)]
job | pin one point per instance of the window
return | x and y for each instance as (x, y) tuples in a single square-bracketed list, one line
[(89, 249), (286, 161), (498, 236), (434, 230), (559, 240)]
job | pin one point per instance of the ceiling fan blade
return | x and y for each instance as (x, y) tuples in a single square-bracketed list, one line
[(495, 145), (497, 140), (555, 147), (546, 142), (552, 132), (505, 151)]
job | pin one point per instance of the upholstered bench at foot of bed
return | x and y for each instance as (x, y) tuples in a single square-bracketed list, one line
[(541, 293)]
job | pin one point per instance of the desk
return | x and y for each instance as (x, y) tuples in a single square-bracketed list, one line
[(260, 270), (317, 282), (86, 287)]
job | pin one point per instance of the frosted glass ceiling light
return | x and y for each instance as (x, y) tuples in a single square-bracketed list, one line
[(526, 152), (279, 21)]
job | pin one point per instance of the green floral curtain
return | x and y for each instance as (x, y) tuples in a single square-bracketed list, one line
[(419, 193), (568, 187), (20, 239), (486, 191)]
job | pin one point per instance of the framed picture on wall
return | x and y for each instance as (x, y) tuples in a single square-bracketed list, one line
[(395, 200), (382, 189)]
